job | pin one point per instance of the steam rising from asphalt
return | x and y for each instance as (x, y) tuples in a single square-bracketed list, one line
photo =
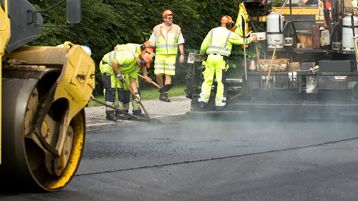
[(280, 125), (203, 136)]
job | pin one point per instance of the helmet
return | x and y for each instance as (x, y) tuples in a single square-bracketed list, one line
[(148, 46), (226, 19), (167, 12), (87, 49), (146, 59)]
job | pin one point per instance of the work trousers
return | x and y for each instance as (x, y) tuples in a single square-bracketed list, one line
[(215, 66), (116, 92)]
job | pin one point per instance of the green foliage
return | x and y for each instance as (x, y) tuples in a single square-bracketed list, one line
[(106, 23)]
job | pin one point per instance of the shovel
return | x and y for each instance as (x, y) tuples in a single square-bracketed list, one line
[(140, 102), (110, 106), (152, 82)]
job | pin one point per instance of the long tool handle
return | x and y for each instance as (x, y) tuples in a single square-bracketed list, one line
[(111, 106), (258, 58), (152, 82), (140, 102), (245, 63), (273, 56)]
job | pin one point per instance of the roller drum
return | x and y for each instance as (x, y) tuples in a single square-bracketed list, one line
[(27, 164)]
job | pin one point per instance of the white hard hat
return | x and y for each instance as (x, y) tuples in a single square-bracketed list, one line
[(87, 49)]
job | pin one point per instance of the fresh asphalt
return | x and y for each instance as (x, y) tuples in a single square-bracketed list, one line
[(218, 156)]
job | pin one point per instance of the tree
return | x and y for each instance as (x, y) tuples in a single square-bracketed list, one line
[(106, 23)]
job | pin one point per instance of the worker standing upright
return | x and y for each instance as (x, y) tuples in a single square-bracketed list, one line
[(120, 68), (167, 37), (217, 45)]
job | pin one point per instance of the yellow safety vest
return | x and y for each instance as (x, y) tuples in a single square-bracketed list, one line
[(124, 58), (166, 42), (219, 42), (132, 47)]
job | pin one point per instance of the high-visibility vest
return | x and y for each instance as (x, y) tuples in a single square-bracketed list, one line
[(135, 48), (219, 42), (166, 42), (124, 58)]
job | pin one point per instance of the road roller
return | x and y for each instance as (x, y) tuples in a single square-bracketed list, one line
[(44, 90)]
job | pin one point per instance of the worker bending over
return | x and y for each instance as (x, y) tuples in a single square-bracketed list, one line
[(120, 68), (124, 95), (217, 45)]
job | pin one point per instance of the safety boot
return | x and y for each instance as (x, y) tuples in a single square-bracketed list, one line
[(138, 113), (164, 97), (203, 106), (219, 108), (122, 114), (110, 115)]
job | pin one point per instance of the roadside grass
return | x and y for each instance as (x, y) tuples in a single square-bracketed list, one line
[(148, 93)]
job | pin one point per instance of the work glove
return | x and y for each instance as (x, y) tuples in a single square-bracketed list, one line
[(121, 77), (136, 97)]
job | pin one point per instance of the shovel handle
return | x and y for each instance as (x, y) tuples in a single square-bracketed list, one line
[(152, 82), (140, 102)]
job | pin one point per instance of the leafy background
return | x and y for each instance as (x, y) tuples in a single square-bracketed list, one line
[(106, 23)]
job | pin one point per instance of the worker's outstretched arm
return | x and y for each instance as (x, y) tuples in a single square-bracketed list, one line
[(206, 42), (238, 40), (134, 86), (116, 67), (145, 75)]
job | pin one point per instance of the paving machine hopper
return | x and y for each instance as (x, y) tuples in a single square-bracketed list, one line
[(306, 57)]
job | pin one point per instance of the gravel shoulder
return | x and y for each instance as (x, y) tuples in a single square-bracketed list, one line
[(179, 105)]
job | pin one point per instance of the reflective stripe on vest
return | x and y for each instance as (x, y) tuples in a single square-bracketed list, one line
[(218, 43), (111, 55), (166, 43), (132, 47)]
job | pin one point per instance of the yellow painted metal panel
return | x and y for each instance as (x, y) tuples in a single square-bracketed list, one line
[(297, 10), (77, 79)]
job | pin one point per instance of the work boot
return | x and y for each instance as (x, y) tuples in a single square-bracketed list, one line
[(111, 116), (122, 114), (164, 97), (219, 108), (138, 113), (202, 106)]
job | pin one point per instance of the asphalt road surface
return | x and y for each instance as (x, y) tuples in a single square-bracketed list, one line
[(219, 157)]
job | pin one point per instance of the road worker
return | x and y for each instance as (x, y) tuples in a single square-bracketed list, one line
[(124, 95), (217, 45), (120, 68), (167, 37)]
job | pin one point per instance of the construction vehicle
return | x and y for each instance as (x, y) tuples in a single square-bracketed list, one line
[(306, 56), (44, 92)]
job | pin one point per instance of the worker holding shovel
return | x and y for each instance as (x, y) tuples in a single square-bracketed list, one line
[(125, 65)]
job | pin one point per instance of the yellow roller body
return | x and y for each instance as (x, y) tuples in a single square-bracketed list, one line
[(47, 89)]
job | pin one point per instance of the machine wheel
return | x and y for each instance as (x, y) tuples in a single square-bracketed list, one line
[(27, 162)]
